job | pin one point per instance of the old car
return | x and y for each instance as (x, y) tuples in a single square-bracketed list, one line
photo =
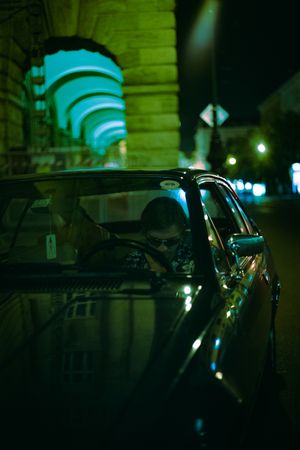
[(99, 354)]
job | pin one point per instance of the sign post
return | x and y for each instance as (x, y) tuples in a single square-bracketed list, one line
[(214, 116)]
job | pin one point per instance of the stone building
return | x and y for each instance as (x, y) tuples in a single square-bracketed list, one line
[(138, 39), (285, 98)]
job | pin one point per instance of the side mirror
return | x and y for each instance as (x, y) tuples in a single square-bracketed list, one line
[(245, 244)]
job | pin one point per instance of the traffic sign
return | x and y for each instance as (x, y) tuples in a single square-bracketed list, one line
[(207, 115)]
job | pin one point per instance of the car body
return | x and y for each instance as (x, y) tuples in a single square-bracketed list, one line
[(96, 355)]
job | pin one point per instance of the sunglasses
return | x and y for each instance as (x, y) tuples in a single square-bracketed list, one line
[(156, 242)]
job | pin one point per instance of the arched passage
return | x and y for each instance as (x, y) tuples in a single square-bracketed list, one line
[(78, 84), (138, 36)]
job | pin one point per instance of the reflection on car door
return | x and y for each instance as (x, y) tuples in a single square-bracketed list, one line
[(242, 325)]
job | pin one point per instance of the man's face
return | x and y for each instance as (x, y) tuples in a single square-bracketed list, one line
[(165, 240)]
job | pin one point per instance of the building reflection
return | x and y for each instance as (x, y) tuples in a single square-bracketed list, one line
[(70, 358)]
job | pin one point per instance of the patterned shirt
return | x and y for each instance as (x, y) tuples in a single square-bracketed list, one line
[(182, 262)]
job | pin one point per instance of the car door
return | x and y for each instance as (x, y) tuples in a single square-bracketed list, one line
[(241, 329)]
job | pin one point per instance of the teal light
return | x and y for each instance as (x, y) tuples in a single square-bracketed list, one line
[(67, 95), (107, 130), (107, 138), (93, 104), (107, 126), (95, 119), (85, 91), (203, 28), (65, 63)]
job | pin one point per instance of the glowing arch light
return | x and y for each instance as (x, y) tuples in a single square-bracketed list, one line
[(85, 93), (65, 63)]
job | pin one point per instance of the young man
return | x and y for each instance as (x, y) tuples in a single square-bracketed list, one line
[(164, 227)]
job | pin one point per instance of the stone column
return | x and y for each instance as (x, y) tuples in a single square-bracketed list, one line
[(153, 125), (143, 38)]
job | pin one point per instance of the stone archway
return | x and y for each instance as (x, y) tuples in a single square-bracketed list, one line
[(139, 33), (86, 90)]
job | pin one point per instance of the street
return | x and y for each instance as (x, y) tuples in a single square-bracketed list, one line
[(277, 416)]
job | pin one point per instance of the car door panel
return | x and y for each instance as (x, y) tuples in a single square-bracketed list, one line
[(241, 329)]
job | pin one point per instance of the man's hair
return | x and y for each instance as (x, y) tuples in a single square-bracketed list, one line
[(163, 212)]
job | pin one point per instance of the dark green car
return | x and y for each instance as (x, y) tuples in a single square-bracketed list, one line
[(116, 333)]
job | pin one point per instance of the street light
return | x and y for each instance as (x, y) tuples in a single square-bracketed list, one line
[(261, 148), (232, 161), (216, 156), (202, 42)]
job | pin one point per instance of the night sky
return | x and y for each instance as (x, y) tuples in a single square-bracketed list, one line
[(257, 50)]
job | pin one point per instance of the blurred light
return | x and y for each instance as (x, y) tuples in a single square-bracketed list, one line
[(296, 177), (198, 165), (296, 166), (219, 375), (259, 189), (111, 164), (182, 195), (217, 343), (213, 366), (232, 184), (188, 304), (196, 344), (199, 425), (187, 290), (248, 186), (232, 161), (203, 29), (261, 148), (240, 185)]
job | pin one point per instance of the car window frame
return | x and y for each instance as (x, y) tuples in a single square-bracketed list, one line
[(212, 184), (237, 203)]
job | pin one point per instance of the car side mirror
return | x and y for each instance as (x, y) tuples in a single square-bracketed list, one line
[(245, 244), (240, 244)]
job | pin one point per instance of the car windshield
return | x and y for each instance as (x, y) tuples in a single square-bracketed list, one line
[(86, 220)]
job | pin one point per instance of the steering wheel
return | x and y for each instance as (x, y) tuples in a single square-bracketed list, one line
[(119, 242)]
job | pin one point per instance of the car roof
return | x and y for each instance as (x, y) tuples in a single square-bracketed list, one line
[(181, 172)]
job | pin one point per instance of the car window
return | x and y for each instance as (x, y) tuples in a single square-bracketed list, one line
[(223, 213), (219, 256), (64, 221), (240, 216)]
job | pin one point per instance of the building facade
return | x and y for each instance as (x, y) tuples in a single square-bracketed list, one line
[(138, 36)]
